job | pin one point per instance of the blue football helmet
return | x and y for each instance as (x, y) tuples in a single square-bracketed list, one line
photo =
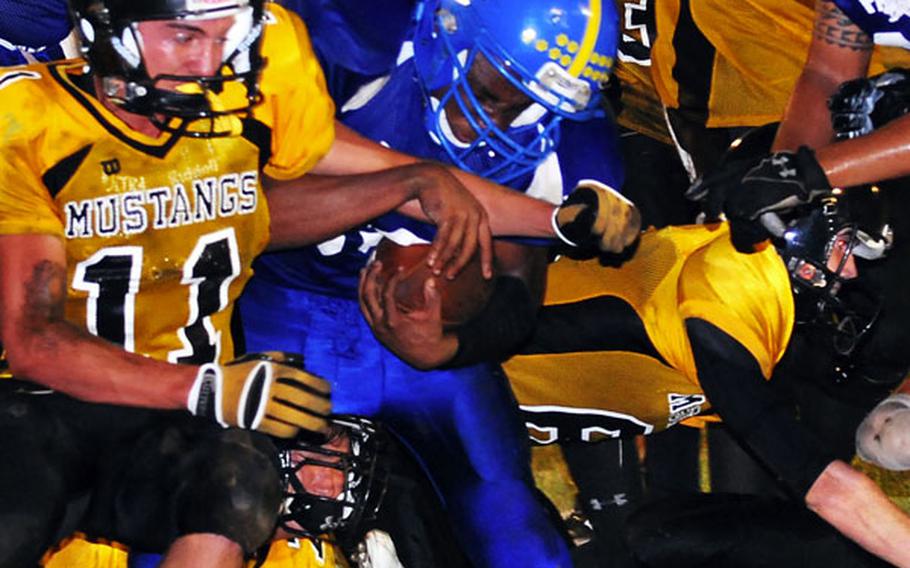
[(558, 53)]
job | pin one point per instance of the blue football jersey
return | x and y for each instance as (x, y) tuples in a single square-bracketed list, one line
[(32, 30), (389, 107), (887, 21)]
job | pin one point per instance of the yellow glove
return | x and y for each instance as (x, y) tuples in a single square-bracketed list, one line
[(269, 392), (595, 214)]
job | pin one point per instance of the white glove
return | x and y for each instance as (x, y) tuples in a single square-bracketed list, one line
[(883, 438)]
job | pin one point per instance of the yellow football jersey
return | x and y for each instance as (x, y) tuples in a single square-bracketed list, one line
[(301, 553), (641, 107), (737, 61), (77, 552), (160, 233), (677, 273)]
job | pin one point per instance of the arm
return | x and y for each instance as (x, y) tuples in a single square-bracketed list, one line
[(861, 511), (881, 155), (376, 179), (845, 498), (359, 180), (43, 347), (839, 51), (510, 212), (316, 207)]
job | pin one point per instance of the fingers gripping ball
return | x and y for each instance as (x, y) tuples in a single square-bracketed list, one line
[(883, 438), (269, 392), (595, 214), (463, 297)]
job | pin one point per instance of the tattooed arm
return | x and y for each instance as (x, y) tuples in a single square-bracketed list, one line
[(839, 51), (43, 347)]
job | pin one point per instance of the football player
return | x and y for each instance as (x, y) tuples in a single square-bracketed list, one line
[(505, 90), (137, 188), (689, 326), (331, 486), (809, 160)]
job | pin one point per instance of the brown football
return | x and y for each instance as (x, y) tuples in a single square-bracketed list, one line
[(462, 297)]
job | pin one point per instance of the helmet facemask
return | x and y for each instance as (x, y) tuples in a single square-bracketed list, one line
[(352, 455), (452, 36), (190, 104), (828, 296)]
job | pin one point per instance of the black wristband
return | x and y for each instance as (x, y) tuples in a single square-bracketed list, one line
[(494, 334)]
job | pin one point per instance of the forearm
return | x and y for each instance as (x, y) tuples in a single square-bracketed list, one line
[(510, 212), (313, 208), (884, 154), (806, 120), (858, 508), (65, 358), (42, 346), (839, 51)]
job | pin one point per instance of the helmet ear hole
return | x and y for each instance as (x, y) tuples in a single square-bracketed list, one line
[(88, 32), (128, 47)]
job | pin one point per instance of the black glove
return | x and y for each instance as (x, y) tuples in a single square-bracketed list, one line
[(862, 105), (712, 188), (780, 181)]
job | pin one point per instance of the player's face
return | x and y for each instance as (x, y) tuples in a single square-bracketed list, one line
[(321, 480), (837, 256), (184, 47), (498, 97)]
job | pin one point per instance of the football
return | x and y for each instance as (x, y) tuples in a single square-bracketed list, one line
[(462, 297)]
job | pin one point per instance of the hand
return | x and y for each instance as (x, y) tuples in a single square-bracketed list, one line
[(461, 221), (712, 188), (416, 336), (862, 105), (883, 438), (269, 392), (595, 214), (779, 182)]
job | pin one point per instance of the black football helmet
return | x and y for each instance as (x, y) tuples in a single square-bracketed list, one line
[(205, 106), (825, 298), (836, 306), (307, 513)]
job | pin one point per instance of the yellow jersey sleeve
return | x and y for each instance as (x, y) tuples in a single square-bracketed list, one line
[(738, 61), (746, 295), (296, 105), (25, 204), (78, 551)]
